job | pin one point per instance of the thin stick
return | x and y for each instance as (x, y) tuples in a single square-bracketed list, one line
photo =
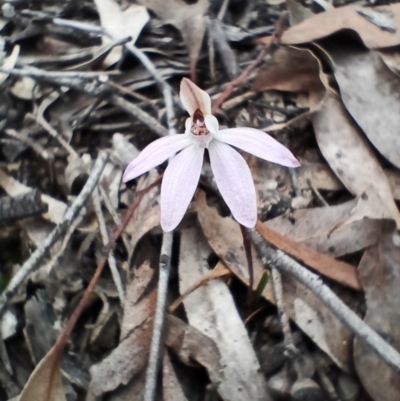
[(240, 79), (117, 221), (105, 237), (290, 349), (249, 259), (165, 267), (141, 115), (284, 263), (65, 334), (37, 257), (30, 142), (40, 120), (162, 84)]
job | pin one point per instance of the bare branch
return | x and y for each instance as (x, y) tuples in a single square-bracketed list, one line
[(165, 265), (276, 258)]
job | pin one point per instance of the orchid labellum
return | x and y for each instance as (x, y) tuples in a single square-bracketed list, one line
[(232, 174)]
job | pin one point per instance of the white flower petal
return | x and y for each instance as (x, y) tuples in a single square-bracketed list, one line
[(178, 185), (193, 98), (155, 154), (235, 182), (259, 144), (211, 123)]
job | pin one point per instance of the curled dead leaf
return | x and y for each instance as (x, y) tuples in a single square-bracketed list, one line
[(347, 17)]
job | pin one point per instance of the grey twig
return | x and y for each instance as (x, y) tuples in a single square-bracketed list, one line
[(40, 120), (30, 142), (141, 115), (284, 263), (162, 84), (117, 221), (36, 258), (221, 45), (291, 349), (18, 207), (152, 368), (105, 237)]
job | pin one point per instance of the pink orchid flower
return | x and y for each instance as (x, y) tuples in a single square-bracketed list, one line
[(232, 174)]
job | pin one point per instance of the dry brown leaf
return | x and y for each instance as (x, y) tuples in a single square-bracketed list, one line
[(379, 274), (190, 344), (120, 24), (290, 69), (338, 230), (130, 357), (131, 392), (321, 177), (341, 272), (348, 153), (347, 17), (341, 143), (212, 311), (188, 19), (368, 88), (309, 313), (45, 383)]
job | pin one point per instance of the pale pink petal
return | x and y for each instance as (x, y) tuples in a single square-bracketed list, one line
[(178, 185), (211, 123), (259, 144), (155, 154), (235, 182), (193, 98)]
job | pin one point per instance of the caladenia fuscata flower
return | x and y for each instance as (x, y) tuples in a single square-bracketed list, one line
[(232, 174)]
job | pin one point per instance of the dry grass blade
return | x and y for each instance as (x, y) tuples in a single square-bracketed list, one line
[(219, 271)]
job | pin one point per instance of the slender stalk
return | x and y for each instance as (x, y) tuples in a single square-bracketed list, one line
[(152, 368)]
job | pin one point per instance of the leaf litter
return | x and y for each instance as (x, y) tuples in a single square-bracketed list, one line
[(335, 107)]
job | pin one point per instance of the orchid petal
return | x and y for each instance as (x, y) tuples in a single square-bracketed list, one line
[(212, 123), (193, 98), (259, 144), (235, 182), (155, 154), (178, 185)]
